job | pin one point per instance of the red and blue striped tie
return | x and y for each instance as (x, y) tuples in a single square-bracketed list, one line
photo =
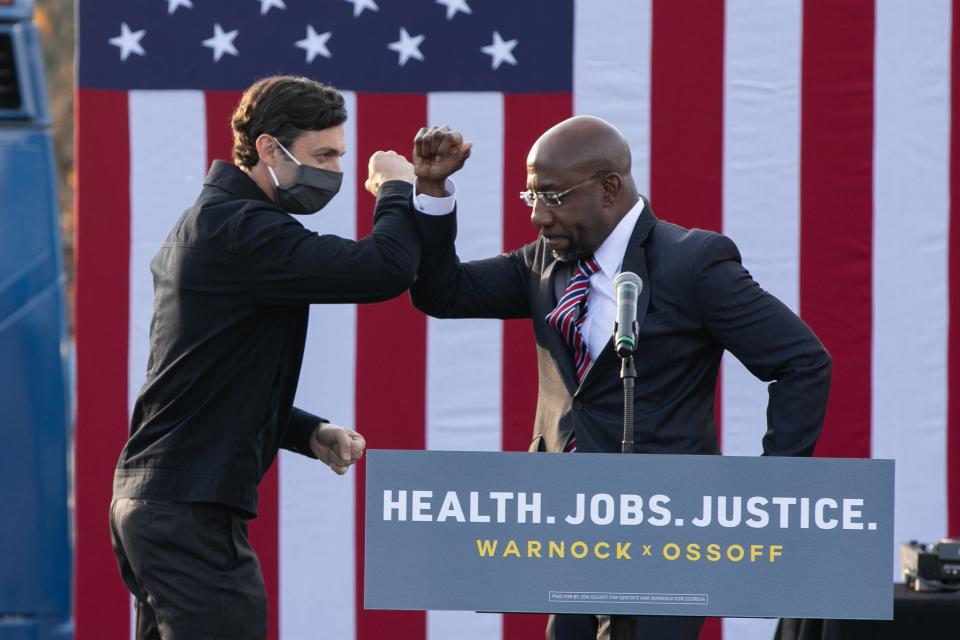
[(568, 317)]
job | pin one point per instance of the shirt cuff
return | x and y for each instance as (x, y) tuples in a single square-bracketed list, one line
[(436, 206)]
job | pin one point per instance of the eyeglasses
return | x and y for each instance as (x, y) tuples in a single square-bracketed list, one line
[(555, 198)]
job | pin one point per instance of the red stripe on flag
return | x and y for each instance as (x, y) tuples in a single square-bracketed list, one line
[(953, 286), (836, 215), (265, 528), (712, 629), (686, 112), (390, 396), (525, 117), (102, 304), (219, 110)]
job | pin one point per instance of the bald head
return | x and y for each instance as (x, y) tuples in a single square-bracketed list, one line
[(585, 163), (582, 145)]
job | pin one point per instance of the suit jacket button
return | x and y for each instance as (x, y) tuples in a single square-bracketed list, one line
[(577, 405)]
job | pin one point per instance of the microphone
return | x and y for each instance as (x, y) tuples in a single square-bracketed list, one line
[(628, 286)]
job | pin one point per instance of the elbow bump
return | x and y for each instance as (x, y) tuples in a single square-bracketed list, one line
[(396, 274), (396, 282), (418, 301), (428, 305)]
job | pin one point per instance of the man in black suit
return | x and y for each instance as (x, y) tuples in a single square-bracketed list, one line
[(696, 301)]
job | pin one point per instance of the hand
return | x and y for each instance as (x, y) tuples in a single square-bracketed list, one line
[(438, 153), (337, 447), (385, 166)]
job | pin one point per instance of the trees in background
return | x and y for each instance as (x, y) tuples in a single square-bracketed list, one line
[(55, 22)]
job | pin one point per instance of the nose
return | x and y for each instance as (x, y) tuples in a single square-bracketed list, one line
[(540, 215)]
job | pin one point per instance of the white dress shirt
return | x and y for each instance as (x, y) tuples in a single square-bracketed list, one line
[(436, 206), (597, 327)]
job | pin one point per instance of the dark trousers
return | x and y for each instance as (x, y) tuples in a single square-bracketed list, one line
[(191, 569), (586, 627)]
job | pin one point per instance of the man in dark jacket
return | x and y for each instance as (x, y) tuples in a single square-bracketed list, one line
[(697, 300), (233, 283)]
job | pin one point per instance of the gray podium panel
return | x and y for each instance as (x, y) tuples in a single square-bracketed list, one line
[(640, 534)]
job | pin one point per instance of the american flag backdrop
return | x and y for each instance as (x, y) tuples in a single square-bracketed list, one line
[(819, 135)]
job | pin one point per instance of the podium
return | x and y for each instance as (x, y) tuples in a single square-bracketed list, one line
[(670, 535)]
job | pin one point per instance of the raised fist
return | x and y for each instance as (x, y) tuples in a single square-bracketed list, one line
[(438, 152), (385, 166)]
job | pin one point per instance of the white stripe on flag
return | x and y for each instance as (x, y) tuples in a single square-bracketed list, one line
[(761, 168), (317, 523), (911, 219), (611, 75), (464, 356), (168, 157)]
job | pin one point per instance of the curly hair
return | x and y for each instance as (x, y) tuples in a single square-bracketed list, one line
[(284, 107)]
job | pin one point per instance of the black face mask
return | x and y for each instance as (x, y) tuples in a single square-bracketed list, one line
[(312, 189)]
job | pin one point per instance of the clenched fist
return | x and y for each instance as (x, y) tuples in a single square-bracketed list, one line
[(337, 447), (385, 166), (438, 152)]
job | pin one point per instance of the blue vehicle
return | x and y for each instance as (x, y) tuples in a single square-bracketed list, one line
[(35, 542)]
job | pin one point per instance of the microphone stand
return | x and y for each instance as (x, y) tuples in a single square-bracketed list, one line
[(624, 627), (628, 374)]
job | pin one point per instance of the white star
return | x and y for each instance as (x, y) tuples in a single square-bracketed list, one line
[(500, 51), (266, 5), (455, 5), (407, 46), (128, 41), (360, 5), (221, 42), (173, 5), (314, 44)]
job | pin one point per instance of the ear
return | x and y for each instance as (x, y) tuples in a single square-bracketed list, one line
[(267, 148), (612, 184)]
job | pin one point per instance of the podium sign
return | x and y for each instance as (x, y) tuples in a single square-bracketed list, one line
[(629, 534)]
